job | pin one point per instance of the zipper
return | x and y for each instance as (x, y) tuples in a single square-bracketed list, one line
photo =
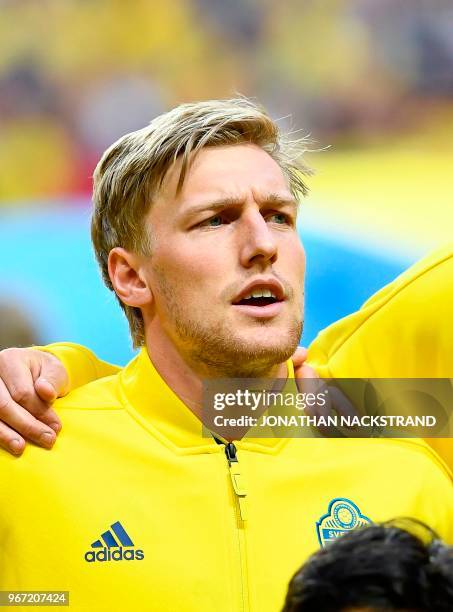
[(240, 493), (237, 479)]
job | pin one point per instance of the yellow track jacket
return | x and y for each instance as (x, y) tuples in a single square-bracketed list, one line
[(403, 331), (134, 510)]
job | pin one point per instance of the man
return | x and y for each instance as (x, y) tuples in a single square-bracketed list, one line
[(194, 229), (404, 331)]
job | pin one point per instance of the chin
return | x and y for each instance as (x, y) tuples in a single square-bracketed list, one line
[(252, 353), (272, 354), (269, 350), (276, 339)]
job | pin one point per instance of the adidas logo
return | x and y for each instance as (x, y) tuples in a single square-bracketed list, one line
[(114, 545)]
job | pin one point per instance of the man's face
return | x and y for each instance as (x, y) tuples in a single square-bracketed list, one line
[(228, 237)]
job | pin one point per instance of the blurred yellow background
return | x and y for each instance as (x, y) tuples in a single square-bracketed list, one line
[(370, 80)]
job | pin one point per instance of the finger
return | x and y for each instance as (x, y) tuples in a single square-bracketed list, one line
[(10, 440), (45, 390), (16, 372), (307, 379), (17, 367), (319, 409), (53, 380), (50, 418), (342, 404), (23, 422), (299, 356), (306, 371)]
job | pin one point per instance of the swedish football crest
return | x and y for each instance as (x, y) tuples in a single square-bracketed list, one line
[(342, 516)]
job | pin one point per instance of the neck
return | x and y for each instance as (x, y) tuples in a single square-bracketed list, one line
[(185, 378)]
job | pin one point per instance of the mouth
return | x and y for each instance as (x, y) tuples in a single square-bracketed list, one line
[(258, 298), (261, 299)]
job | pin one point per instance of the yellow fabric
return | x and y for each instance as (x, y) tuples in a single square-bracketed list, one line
[(404, 331), (130, 451), (81, 364)]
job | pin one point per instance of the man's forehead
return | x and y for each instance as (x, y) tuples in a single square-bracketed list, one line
[(225, 171)]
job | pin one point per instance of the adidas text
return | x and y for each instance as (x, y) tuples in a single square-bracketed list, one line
[(116, 554)]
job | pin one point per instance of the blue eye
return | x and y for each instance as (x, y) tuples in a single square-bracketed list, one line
[(279, 218), (214, 221)]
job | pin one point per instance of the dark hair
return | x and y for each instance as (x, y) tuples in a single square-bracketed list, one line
[(400, 566)]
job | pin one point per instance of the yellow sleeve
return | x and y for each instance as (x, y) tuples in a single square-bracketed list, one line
[(404, 331), (81, 364)]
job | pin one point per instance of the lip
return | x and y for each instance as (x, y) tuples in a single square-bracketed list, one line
[(261, 312), (272, 284)]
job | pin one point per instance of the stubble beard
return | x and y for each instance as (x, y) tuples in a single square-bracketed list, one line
[(216, 351), (223, 354)]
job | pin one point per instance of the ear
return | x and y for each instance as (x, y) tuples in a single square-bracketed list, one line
[(127, 279)]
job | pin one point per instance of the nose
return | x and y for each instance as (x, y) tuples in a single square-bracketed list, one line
[(258, 244)]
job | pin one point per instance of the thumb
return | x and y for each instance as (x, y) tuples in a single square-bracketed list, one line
[(46, 390), (299, 357), (304, 374), (52, 381)]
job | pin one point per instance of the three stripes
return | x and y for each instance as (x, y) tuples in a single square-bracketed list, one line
[(109, 539)]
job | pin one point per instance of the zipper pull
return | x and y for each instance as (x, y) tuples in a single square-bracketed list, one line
[(237, 479)]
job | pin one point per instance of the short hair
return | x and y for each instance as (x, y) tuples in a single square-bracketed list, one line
[(399, 565), (131, 171)]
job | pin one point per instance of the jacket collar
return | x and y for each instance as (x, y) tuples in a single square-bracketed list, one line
[(158, 409)]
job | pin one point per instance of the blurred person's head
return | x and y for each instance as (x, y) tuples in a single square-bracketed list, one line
[(16, 328), (398, 566), (194, 214)]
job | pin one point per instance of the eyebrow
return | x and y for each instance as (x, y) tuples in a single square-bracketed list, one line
[(231, 201)]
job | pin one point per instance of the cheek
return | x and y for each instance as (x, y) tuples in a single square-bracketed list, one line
[(188, 269), (301, 257), (294, 256), (300, 254)]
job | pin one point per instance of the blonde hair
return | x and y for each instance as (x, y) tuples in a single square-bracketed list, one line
[(131, 171)]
